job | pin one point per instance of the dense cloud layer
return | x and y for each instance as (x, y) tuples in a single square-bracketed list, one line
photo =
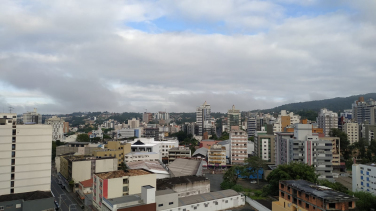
[(64, 56)]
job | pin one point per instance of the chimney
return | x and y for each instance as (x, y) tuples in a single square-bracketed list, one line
[(148, 194)]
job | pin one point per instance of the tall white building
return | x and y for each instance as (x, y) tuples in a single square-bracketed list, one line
[(327, 120), (161, 115), (57, 128), (202, 116), (238, 146), (32, 117), (364, 177), (352, 131), (234, 117), (25, 156)]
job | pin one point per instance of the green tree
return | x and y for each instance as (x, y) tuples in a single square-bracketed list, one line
[(251, 139), (252, 166), (225, 136), (291, 171), (214, 137), (366, 200), (335, 186), (123, 167), (83, 138), (227, 185), (232, 174)]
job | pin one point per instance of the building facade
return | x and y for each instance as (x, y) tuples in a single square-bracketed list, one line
[(327, 120), (202, 116), (178, 152), (265, 147), (57, 128), (238, 146), (251, 126), (364, 177), (32, 117), (25, 156), (217, 155), (352, 131), (234, 117)]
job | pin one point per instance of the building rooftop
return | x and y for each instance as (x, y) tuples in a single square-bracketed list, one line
[(85, 157), (370, 164), (184, 167), (168, 183), (84, 143), (202, 151), (224, 142), (179, 149), (136, 198), (141, 153), (164, 192), (206, 197), (153, 166), (34, 195), (87, 183), (121, 173), (318, 191)]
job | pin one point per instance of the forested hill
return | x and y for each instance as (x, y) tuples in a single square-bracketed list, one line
[(335, 104)]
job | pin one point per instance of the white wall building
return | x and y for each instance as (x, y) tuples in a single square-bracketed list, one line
[(238, 146), (163, 146), (364, 177), (141, 156), (57, 128), (32, 117), (202, 115), (352, 131), (25, 156), (134, 123), (327, 120), (284, 119)]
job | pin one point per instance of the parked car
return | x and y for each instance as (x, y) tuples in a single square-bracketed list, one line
[(57, 205), (253, 182)]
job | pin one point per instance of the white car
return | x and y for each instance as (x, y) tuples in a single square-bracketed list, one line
[(253, 182)]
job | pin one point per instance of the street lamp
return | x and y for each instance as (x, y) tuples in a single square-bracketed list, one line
[(71, 205)]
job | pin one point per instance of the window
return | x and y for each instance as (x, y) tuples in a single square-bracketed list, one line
[(350, 204), (288, 197), (13, 147), (13, 154), (282, 194), (12, 176), (160, 205), (332, 205), (13, 139), (170, 203), (125, 181), (12, 190), (13, 168), (307, 205), (307, 196)]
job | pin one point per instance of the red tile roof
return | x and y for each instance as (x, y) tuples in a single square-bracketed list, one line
[(87, 183)]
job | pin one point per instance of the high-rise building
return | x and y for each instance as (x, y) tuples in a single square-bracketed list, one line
[(238, 146), (352, 131), (327, 120), (251, 126), (57, 128), (162, 115), (147, 117), (134, 123), (32, 117), (234, 117), (202, 116), (308, 148), (265, 146), (25, 156), (363, 111), (284, 120)]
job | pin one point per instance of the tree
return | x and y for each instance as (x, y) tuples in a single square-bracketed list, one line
[(83, 138), (214, 137), (251, 139), (123, 167), (366, 200), (253, 165), (335, 186), (232, 174), (291, 171)]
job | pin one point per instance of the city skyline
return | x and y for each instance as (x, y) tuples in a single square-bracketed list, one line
[(164, 55)]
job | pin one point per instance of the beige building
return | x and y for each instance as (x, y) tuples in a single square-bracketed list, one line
[(265, 146), (352, 131), (327, 120), (115, 184), (336, 162), (178, 152), (82, 167), (57, 128), (238, 146), (217, 155), (25, 156), (185, 185), (134, 123), (114, 149)]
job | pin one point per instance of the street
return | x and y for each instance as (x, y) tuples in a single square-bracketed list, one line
[(66, 199)]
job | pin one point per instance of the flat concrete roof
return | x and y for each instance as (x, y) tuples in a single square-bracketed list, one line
[(164, 192), (168, 183), (125, 199), (34, 195), (207, 197)]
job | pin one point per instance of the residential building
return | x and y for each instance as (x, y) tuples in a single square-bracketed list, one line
[(85, 188), (327, 120), (32, 117), (238, 146), (207, 143), (134, 123), (185, 167), (285, 119), (347, 113), (96, 133), (303, 195), (126, 133), (352, 131), (178, 152), (115, 184), (336, 161), (217, 156), (147, 117), (25, 157), (152, 132), (265, 147), (226, 144), (364, 177), (156, 167), (304, 146), (251, 126), (79, 148), (141, 156), (202, 115), (185, 185), (57, 128), (363, 111), (144, 201), (82, 167), (367, 132), (147, 145), (189, 128), (162, 115), (114, 149), (168, 200), (66, 127), (234, 117)]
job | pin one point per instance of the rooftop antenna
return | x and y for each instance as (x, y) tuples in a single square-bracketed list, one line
[(10, 109)]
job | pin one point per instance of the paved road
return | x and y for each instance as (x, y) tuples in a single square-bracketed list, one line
[(66, 199)]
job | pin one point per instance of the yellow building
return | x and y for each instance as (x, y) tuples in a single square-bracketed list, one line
[(217, 155), (115, 149)]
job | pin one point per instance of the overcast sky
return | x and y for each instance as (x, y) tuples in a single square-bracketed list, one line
[(63, 56)]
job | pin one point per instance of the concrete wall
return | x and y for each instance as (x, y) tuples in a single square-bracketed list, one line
[(136, 182), (115, 187), (106, 165), (189, 189), (167, 201)]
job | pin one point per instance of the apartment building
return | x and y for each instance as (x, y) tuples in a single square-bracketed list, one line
[(367, 132), (202, 116), (32, 117), (234, 117), (66, 127), (303, 195), (327, 120), (114, 149), (364, 177), (238, 146), (265, 146), (251, 126), (352, 131), (141, 156), (152, 132), (134, 123), (147, 117), (363, 111), (336, 161), (25, 156), (80, 148), (114, 184), (307, 148), (82, 167), (178, 152), (217, 156), (284, 120), (162, 115), (57, 128)]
